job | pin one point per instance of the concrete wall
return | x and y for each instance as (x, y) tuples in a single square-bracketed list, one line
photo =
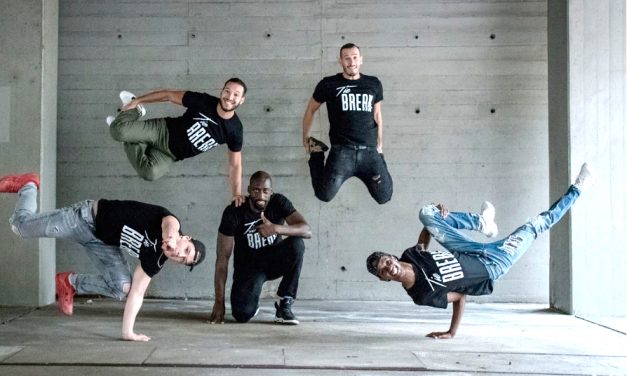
[(465, 115), (587, 115), (28, 103)]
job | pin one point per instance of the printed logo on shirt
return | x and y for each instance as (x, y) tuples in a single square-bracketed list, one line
[(448, 266), (198, 135), (132, 241), (354, 101), (255, 240)]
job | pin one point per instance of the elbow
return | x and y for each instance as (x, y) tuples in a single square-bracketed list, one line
[(306, 232)]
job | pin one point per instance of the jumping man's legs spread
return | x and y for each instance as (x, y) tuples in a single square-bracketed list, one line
[(373, 171), (327, 179), (501, 255), (145, 143), (74, 223)]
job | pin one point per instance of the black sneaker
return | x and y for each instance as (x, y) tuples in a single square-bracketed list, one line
[(284, 313), (316, 146)]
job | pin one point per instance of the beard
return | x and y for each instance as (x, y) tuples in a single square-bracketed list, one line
[(226, 109)]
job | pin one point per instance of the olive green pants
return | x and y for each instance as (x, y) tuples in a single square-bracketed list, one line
[(145, 143)]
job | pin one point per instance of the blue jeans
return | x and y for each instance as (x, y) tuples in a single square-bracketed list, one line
[(499, 256), (283, 259), (345, 161), (75, 223)]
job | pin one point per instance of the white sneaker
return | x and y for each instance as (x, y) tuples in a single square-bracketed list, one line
[(126, 97), (109, 120), (488, 225), (585, 177)]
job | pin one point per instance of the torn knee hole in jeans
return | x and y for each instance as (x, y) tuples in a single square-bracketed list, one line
[(510, 246)]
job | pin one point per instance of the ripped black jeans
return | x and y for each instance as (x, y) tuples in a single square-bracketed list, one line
[(345, 161)]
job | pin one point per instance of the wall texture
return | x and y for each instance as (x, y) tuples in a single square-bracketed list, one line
[(465, 114), (28, 117)]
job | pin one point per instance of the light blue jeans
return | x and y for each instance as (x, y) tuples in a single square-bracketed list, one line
[(499, 256), (74, 223)]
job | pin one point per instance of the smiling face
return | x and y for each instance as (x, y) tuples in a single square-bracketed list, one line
[(350, 60), (390, 269), (180, 250), (259, 192), (231, 96)]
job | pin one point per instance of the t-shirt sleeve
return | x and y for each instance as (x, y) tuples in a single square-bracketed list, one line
[(319, 92), (228, 224), (194, 99), (379, 97), (235, 140), (285, 206)]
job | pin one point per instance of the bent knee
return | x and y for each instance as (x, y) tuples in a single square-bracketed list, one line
[(116, 129), (121, 290), (324, 197), (427, 212), (149, 174), (243, 316)]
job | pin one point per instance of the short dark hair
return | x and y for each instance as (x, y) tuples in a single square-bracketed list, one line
[(200, 253), (347, 46), (260, 175), (236, 81), (372, 263)]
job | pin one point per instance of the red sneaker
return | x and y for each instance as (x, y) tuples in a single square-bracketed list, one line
[(65, 292), (13, 183)]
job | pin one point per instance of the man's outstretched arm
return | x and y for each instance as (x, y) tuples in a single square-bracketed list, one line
[(134, 301), (459, 303), (172, 96), (224, 250)]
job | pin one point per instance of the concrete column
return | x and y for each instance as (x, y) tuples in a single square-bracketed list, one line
[(586, 54), (28, 118)]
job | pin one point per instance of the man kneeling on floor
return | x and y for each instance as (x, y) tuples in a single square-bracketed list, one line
[(106, 228), (464, 267), (254, 230)]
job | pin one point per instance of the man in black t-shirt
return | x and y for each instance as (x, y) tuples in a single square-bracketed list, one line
[(254, 232), (465, 267), (355, 131), (106, 229), (153, 145)]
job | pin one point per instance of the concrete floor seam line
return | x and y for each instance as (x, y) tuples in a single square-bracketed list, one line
[(275, 367), (18, 316)]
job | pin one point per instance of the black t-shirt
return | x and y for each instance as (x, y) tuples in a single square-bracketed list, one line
[(350, 105), (440, 271), (200, 128), (135, 227), (241, 223)]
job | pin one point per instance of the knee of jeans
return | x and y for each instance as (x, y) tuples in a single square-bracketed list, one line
[(150, 174), (243, 316), (382, 199), (120, 289), (116, 129), (324, 196), (427, 212)]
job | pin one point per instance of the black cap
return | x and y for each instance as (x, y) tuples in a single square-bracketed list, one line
[(372, 263), (200, 253)]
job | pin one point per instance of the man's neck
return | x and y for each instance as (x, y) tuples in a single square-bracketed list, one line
[(352, 78), (226, 115), (409, 276)]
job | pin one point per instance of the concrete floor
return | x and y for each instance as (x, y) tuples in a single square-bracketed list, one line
[(334, 338)]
